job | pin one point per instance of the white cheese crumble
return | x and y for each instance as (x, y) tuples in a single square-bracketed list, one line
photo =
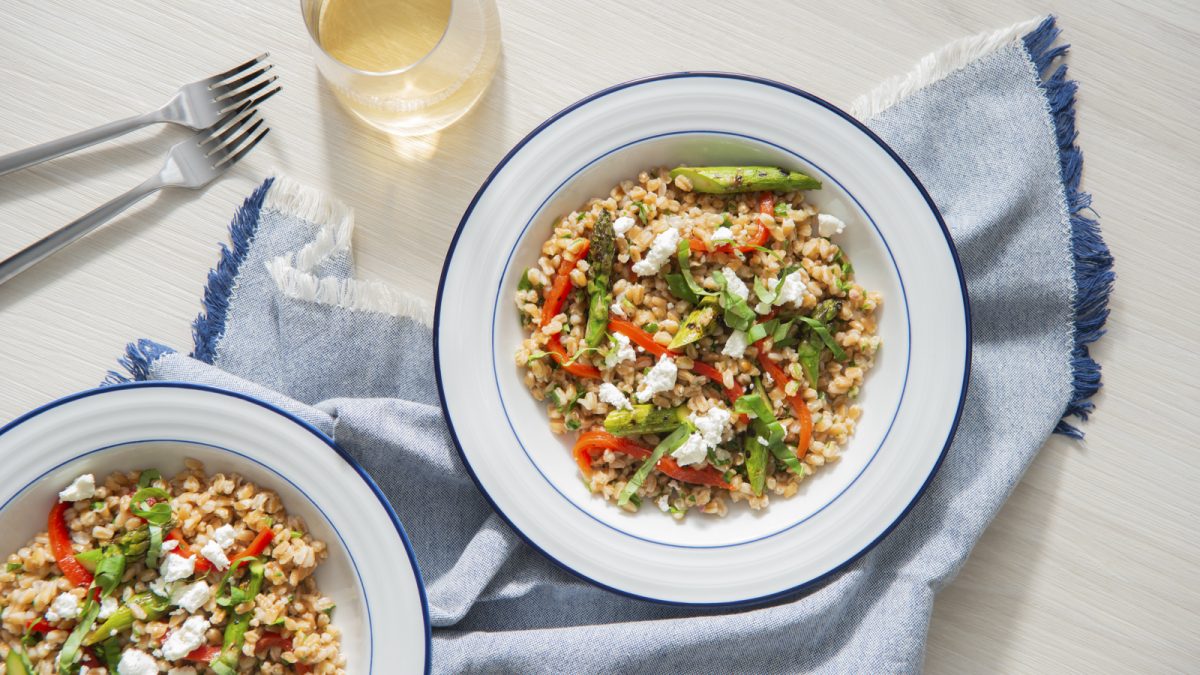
[(161, 587), (83, 487), (621, 225), (660, 252), (224, 535), (791, 293), (215, 554), (722, 235), (660, 378), (625, 351), (191, 597), (614, 397), (616, 307), (736, 345), (693, 451), (170, 545), (175, 567), (735, 284), (107, 607), (710, 428), (65, 606), (828, 225), (185, 638), (137, 662)]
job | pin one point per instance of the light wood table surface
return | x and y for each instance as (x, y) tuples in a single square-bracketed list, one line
[(1092, 566)]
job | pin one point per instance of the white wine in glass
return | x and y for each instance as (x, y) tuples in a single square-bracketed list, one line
[(408, 67)]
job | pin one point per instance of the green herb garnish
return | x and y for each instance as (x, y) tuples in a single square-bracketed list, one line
[(14, 567), (668, 444), (157, 514), (147, 477)]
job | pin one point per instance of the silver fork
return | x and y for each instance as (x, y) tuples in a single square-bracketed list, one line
[(198, 105), (192, 164)]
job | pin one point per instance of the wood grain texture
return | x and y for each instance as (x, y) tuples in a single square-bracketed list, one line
[(1093, 563)]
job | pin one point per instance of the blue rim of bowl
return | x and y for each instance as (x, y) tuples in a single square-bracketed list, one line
[(305, 425), (437, 316), (811, 166)]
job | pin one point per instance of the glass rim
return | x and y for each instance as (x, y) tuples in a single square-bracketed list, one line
[(312, 35)]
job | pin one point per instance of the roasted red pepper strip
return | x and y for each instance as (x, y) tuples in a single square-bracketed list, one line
[(39, 626), (766, 204), (202, 564), (60, 545), (595, 442), (269, 640), (799, 405), (556, 297), (204, 654), (559, 354), (646, 341), (256, 547)]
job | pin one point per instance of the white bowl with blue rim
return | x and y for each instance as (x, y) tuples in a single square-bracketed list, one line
[(370, 572), (911, 400)]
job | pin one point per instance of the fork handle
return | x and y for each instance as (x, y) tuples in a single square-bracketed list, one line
[(57, 148), (39, 250)]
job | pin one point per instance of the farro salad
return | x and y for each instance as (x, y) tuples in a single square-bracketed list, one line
[(141, 574), (702, 334)]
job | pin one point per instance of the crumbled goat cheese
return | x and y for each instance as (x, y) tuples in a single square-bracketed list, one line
[(828, 225), (161, 587), (65, 606), (712, 424), (169, 545), (191, 597), (137, 662), (107, 607), (625, 351), (616, 307), (175, 567), (660, 252), (185, 638), (614, 397), (693, 451), (224, 536), (792, 292), (660, 378), (215, 554), (735, 284), (710, 428), (621, 225), (735, 346), (83, 487), (722, 235)]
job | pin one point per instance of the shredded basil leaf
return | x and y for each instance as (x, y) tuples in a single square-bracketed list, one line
[(147, 477), (96, 506), (154, 551), (650, 327), (782, 209), (680, 289), (668, 444), (525, 284), (643, 212), (738, 315), (14, 567), (684, 253), (159, 513), (822, 331)]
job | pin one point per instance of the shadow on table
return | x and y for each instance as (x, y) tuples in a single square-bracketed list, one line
[(370, 166)]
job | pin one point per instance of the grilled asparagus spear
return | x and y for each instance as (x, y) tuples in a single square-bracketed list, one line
[(723, 180), (644, 418), (600, 259), (698, 322)]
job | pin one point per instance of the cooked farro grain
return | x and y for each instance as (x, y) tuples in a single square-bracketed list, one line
[(287, 622), (739, 244)]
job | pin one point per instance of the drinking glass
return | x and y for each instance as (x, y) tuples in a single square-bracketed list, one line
[(407, 67)]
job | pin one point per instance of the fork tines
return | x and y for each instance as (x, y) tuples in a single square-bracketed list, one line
[(240, 88), (225, 145)]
